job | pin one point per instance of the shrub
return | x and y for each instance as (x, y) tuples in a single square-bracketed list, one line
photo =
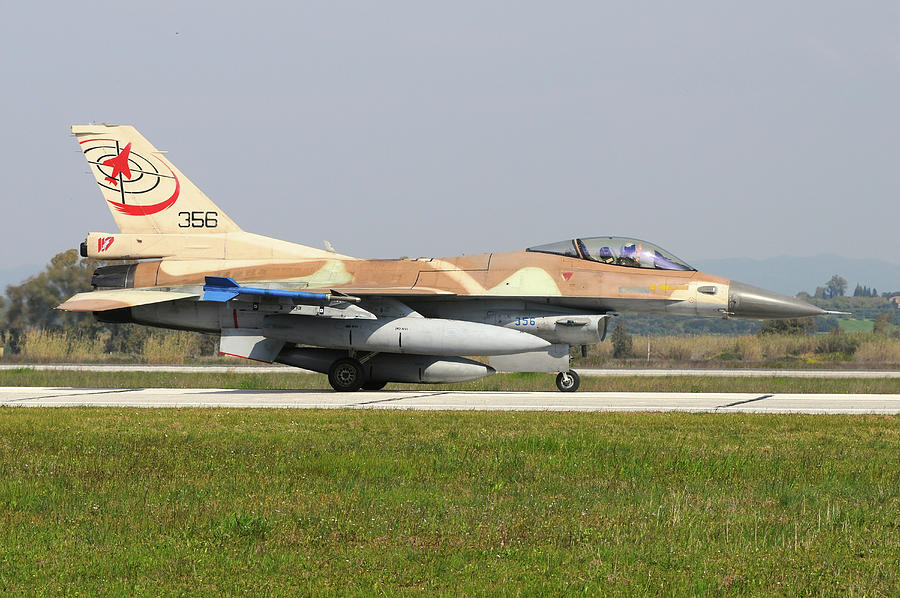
[(883, 323), (623, 343), (837, 341), (788, 326)]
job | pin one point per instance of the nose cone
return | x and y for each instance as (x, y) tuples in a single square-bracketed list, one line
[(746, 301)]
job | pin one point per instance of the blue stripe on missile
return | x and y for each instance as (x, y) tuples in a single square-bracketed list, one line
[(222, 288)]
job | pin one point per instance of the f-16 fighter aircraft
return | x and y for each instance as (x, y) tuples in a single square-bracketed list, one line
[(368, 322)]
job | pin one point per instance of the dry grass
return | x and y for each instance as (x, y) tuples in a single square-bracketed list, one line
[(878, 350), (822, 350), (835, 349), (44, 345), (171, 347), (683, 348), (159, 346)]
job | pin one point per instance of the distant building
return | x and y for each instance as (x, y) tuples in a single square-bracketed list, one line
[(895, 299)]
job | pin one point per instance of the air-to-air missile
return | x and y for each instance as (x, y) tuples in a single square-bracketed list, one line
[(369, 322)]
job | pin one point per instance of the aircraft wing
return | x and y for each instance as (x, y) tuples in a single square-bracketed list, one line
[(119, 298)]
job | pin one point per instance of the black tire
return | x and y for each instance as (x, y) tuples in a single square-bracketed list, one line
[(568, 381), (346, 375), (374, 384)]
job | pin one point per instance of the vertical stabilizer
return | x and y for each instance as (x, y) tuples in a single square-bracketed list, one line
[(144, 191)]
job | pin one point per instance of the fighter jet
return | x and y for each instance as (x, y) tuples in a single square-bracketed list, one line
[(367, 322)]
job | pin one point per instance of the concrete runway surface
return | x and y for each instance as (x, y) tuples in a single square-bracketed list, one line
[(452, 400), (281, 369)]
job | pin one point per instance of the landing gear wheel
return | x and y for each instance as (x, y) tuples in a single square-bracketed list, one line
[(568, 381), (374, 384), (346, 375)]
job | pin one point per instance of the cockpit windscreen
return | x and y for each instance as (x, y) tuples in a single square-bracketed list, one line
[(618, 251)]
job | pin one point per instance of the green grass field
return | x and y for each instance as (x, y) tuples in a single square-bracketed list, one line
[(499, 382), (852, 325), (273, 502)]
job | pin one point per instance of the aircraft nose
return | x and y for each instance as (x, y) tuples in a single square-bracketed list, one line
[(747, 301)]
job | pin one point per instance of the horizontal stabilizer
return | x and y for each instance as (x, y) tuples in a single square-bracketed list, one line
[(223, 288), (117, 299)]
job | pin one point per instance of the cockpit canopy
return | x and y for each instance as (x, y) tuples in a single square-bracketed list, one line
[(618, 251)]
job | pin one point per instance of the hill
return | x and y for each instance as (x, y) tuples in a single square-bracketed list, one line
[(791, 274)]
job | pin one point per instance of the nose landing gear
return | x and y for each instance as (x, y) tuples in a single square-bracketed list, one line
[(568, 381)]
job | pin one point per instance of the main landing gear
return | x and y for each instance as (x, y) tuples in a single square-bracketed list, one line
[(347, 375), (568, 381)]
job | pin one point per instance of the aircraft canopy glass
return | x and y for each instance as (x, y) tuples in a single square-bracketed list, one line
[(618, 251)]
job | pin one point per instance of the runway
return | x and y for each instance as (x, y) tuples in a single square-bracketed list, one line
[(590, 373), (451, 400)]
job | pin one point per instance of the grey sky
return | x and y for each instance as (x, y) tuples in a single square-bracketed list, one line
[(416, 128)]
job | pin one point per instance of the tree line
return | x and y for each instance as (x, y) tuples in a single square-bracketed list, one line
[(837, 287), (31, 305)]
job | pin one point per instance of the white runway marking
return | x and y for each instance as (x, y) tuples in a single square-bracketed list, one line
[(452, 400)]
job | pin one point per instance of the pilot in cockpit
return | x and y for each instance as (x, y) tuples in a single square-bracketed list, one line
[(605, 255), (620, 251), (630, 256)]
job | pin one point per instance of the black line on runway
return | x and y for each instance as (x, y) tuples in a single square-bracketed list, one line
[(83, 394), (744, 401), (431, 394)]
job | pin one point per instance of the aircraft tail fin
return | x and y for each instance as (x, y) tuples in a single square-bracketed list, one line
[(144, 191)]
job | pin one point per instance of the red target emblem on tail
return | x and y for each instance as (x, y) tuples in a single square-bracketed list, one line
[(146, 185)]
